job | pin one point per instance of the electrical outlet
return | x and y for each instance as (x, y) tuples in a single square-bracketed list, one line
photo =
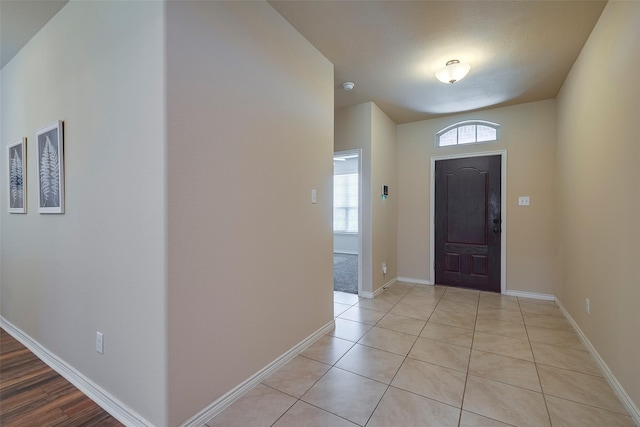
[(587, 304), (100, 342), (384, 267)]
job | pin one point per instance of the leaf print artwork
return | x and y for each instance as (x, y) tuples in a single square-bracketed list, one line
[(16, 170), (54, 173), (44, 171), (15, 180), (49, 174), (50, 163)]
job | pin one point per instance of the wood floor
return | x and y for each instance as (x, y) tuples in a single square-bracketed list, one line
[(33, 394)]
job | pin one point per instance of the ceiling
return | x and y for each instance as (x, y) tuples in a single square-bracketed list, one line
[(20, 20), (519, 51)]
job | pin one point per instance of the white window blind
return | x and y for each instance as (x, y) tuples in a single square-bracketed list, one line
[(345, 203)]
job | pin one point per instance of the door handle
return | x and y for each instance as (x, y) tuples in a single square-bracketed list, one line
[(497, 228)]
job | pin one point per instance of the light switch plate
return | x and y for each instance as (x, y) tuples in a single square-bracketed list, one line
[(523, 201), (100, 342)]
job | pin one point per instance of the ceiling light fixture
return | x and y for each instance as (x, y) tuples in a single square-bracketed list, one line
[(453, 71), (348, 85)]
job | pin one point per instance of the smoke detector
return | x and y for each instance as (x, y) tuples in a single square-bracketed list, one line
[(348, 85)]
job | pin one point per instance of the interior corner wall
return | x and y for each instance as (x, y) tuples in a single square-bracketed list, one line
[(353, 132), (97, 66), (384, 211), (528, 134), (598, 175), (250, 134), (368, 128), (3, 140)]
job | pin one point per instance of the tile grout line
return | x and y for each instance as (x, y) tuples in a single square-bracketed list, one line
[(401, 364), (406, 357), (466, 378), (535, 364), (299, 399), (350, 348), (396, 373)]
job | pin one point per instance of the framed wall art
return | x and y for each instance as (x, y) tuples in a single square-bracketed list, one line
[(17, 176), (50, 157)]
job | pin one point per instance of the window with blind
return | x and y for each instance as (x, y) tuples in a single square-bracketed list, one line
[(345, 203)]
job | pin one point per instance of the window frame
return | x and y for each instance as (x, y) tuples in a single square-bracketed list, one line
[(458, 125)]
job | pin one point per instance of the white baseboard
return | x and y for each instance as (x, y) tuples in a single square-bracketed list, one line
[(129, 417), (533, 295), (416, 281), (370, 295), (213, 409), (346, 252), (624, 397), (389, 283), (113, 406)]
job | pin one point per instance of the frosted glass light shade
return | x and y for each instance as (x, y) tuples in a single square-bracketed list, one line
[(453, 72)]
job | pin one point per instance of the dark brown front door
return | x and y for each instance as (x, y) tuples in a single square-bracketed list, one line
[(468, 222)]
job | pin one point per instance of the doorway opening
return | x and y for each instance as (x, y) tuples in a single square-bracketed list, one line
[(468, 221), (346, 222)]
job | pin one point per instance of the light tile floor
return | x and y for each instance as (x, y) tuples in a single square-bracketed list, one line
[(436, 356)]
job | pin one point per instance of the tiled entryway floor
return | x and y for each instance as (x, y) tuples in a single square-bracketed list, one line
[(435, 356)]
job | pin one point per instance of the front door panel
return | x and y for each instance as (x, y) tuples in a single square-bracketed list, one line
[(468, 222)]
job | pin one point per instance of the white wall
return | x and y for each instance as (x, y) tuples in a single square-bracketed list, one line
[(250, 131), (367, 127), (345, 243), (353, 132), (385, 216), (527, 133), (100, 266), (598, 175)]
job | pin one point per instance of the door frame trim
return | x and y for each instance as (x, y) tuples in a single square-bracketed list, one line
[(503, 211)]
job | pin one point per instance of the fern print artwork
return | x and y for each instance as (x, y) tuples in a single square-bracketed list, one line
[(16, 178), (49, 174), (50, 168)]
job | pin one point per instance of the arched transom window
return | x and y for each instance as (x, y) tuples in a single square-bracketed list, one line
[(467, 132)]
